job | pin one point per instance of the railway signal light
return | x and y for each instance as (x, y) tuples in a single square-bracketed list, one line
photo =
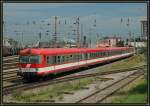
[(121, 20)]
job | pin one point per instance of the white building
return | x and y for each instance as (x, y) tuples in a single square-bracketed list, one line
[(6, 43), (138, 44)]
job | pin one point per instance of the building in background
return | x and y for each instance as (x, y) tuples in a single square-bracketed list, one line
[(6, 43), (144, 28), (140, 41), (108, 41)]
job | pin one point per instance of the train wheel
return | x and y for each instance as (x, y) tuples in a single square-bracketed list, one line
[(29, 79), (48, 77)]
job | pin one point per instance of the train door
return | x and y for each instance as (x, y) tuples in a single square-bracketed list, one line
[(86, 57)]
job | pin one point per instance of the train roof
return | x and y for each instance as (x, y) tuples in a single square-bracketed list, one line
[(59, 51)]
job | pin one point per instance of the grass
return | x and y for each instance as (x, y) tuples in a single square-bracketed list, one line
[(137, 94), (51, 92), (133, 61)]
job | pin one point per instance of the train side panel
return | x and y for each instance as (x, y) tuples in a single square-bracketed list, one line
[(44, 69)]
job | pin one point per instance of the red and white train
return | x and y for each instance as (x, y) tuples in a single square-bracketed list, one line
[(38, 62)]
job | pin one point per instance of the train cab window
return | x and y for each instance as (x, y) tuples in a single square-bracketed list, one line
[(30, 59), (24, 59), (35, 59)]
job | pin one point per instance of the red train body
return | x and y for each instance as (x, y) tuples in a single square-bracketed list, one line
[(43, 61)]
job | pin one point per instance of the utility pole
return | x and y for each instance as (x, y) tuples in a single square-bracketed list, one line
[(84, 41), (40, 35), (130, 38), (78, 35), (81, 35), (22, 39), (55, 33), (90, 36), (97, 42), (134, 42), (74, 33), (4, 30)]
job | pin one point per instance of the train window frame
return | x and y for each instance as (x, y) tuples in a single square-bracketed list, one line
[(62, 59), (50, 60), (29, 57), (70, 58), (58, 60), (67, 58)]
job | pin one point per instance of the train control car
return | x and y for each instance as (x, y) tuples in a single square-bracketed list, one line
[(38, 62)]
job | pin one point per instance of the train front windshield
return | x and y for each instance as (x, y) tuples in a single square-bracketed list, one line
[(30, 59)]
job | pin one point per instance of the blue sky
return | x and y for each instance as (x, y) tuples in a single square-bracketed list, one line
[(107, 15)]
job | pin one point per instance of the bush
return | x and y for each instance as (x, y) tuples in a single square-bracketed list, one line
[(142, 50)]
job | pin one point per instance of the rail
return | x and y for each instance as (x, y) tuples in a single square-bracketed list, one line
[(27, 86), (107, 91)]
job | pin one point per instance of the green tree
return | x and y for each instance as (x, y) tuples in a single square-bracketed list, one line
[(120, 43), (13, 42)]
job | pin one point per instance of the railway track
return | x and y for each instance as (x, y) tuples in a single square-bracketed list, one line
[(101, 94), (8, 57), (10, 67), (27, 86)]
